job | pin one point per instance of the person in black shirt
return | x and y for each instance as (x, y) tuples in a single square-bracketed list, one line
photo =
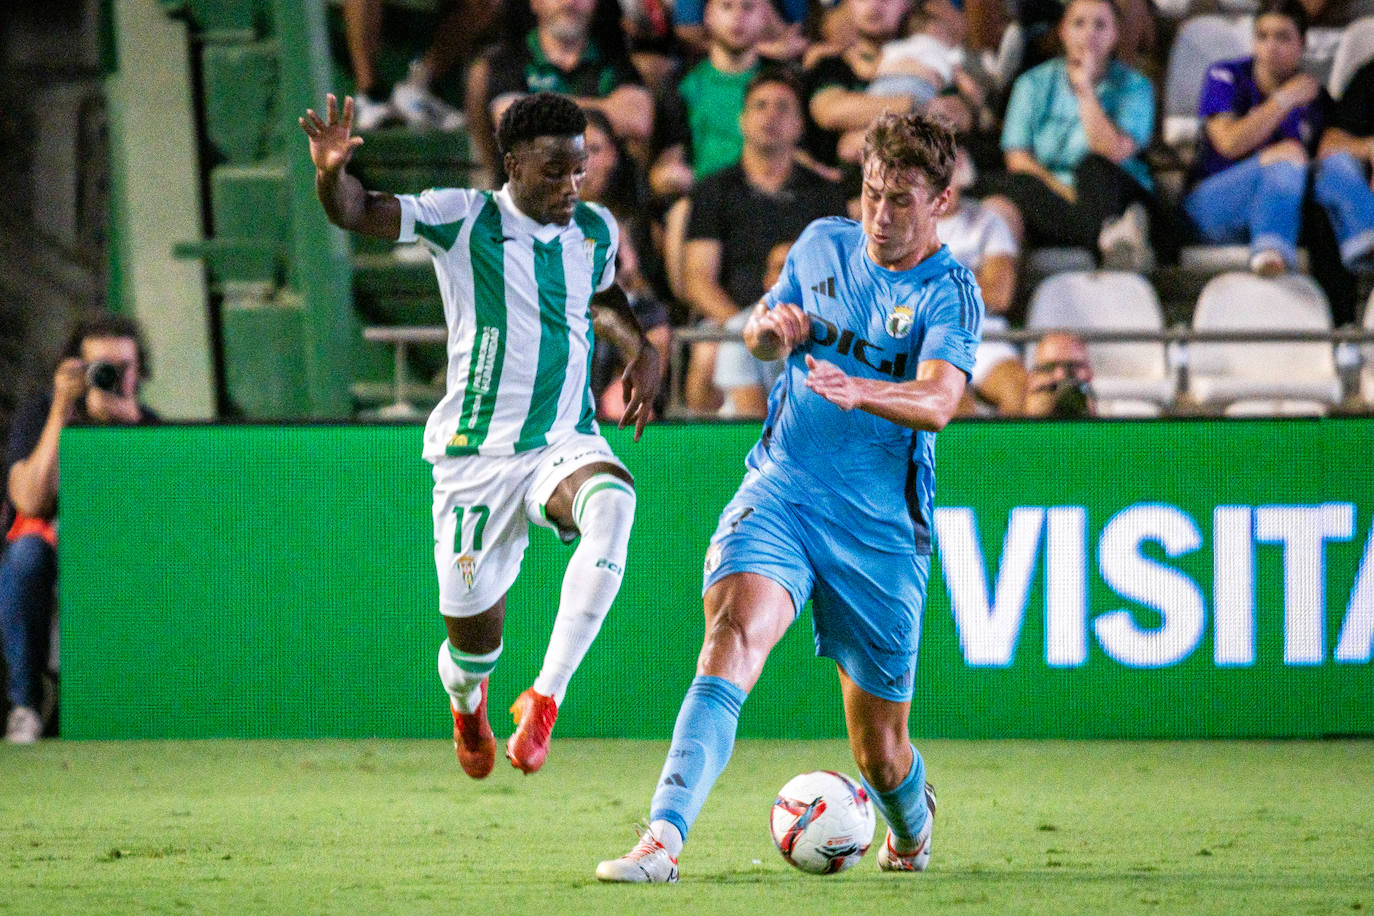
[(739, 213), (97, 381)]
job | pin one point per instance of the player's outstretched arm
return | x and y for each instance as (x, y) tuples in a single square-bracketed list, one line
[(346, 202), (773, 333), (613, 320), (927, 402)]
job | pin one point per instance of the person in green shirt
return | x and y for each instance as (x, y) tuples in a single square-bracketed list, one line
[(698, 117)]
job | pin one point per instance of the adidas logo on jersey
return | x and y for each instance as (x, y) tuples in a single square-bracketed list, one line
[(825, 288)]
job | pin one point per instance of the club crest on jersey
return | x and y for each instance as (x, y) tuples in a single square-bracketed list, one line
[(713, 557), (467, 565), (899, 322), (589, 248), (458, 441)]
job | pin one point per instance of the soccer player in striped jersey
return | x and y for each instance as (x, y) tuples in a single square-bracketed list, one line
[(527, 275), (878, 325)]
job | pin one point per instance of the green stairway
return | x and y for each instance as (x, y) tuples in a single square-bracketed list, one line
[(291, 295)]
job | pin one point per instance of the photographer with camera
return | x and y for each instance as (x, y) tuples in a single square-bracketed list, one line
[(1059, 378), (97, 381)]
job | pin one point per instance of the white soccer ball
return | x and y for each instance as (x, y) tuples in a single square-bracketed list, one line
[(822, 822)]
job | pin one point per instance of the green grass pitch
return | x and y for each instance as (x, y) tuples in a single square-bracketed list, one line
[(394, 827)]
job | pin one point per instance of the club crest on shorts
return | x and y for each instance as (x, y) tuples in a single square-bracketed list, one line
[(899, 322), (467, 565)]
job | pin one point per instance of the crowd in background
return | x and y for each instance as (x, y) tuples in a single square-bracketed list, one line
[(720, 128)]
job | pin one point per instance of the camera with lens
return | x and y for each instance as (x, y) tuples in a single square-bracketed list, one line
[(1072, 399), (104, 376)]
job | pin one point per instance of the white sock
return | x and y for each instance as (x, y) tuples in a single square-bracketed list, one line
[(668, 835), (462, 675), (604, 511)]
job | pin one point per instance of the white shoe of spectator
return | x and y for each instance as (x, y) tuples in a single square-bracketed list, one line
[(24, 726), (420, 108), (369, 114), (1268, 263), (1125, 241)]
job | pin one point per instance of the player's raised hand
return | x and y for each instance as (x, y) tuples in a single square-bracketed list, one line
[(639, 387), (331, 140), (774, 333), (830, 382)]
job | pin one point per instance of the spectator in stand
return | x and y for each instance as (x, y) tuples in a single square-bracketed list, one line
[(837, 82), (1039, 21), (1059, 383), (1074, 129), (97, 381), (928, 66), (697, 122), (1262, 119), (739, 213), (980, 239), (612, 179), (782, 37), (1337, 13), (1348, 143), (411, 100), (743, 379), (560, 55)]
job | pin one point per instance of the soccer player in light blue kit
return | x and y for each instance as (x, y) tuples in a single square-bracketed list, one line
[(879, 325)]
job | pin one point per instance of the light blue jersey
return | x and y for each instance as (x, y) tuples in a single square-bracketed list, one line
[(836, 505), (860, 470)]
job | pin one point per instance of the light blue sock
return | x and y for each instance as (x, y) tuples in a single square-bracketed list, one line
[(703, 739), (904, 808)]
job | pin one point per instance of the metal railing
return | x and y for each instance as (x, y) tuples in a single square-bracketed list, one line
[(1348, 341)]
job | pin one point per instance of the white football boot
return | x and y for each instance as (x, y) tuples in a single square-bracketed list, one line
[(647, 863), (889, 859)]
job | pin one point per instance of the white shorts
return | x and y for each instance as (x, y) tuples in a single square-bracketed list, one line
[(482, 509)]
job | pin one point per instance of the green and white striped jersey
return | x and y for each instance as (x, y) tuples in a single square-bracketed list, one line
[(517, 301)]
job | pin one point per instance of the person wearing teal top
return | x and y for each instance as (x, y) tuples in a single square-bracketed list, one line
[(1074, 130)]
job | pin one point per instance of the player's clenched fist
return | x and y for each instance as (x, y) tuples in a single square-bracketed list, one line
[(773, 333)]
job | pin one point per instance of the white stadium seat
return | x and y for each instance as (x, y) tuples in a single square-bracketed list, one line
[(1246, 378), (1355, 47), (1130, 379), (1201, 41), (1367, 372)]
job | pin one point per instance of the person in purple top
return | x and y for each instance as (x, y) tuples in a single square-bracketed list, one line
[(1262, 118)]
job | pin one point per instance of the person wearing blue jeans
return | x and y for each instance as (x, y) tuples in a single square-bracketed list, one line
[(28, 574), (97, 381), (1262, 118)]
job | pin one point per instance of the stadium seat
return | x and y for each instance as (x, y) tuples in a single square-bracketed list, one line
[(1130, 379), (1246, 378), (1218, 259), (1356, 46), (1367, 354), (1201, 42)]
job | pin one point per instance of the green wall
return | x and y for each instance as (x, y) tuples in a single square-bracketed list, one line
[(1107, 579)]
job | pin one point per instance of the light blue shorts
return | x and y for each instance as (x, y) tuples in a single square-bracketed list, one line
[(866, 603)]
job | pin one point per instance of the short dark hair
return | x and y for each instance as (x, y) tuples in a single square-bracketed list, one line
[(900, 142), (1289, 9), (782, 75), (543, 114), (108, 324)]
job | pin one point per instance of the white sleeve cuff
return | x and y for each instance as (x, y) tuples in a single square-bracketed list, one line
[(407, 218)]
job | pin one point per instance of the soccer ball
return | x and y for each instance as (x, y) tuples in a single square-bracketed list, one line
[(822, 822)]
